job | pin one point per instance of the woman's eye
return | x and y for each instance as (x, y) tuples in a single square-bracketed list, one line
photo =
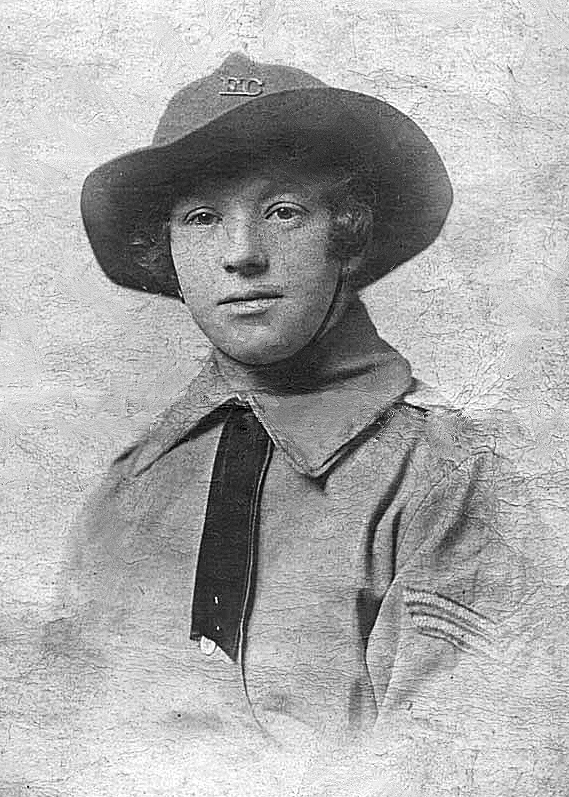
[(203, 218), (285, 213)]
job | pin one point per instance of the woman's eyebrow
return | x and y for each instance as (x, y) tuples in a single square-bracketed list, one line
[(196, 199), (287, 185)]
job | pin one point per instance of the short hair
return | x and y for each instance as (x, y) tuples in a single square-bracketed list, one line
[(351, 202), (349, 196)]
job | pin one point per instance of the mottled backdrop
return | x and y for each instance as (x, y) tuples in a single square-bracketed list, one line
[(85, 366)]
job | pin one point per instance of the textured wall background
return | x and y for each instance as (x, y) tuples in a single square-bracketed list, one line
[(481, 315)]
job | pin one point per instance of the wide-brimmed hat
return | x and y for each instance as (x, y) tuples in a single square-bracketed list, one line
[(245, 107)]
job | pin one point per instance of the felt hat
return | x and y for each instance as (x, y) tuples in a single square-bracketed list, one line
[(246, 107)]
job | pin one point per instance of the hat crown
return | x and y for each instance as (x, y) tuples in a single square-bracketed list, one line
[(237, 81)]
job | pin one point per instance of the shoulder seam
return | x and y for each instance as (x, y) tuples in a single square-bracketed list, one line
[(125, 454), (416, 407)]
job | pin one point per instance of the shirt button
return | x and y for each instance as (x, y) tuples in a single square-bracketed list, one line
[(207, 646)]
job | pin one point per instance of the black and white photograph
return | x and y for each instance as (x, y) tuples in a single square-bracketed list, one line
[(284, 399)]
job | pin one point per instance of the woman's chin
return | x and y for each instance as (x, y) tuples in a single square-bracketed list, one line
[(264, 354)]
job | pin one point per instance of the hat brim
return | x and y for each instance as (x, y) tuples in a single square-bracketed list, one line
[(121, 196)]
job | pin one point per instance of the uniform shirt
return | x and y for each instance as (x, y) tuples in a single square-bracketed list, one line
[(384, 559)]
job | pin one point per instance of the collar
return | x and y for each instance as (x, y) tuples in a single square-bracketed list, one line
[(312, 407)]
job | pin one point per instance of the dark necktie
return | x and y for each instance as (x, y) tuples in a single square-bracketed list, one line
[(225, 579)]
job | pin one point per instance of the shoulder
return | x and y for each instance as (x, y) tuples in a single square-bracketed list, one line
[(109, 525), (175, 425), (117, 502), (143, 479), (196, 407), (456, 476), (461, 531), (444, 437)]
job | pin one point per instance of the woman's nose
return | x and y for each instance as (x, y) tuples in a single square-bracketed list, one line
[(243, 250)]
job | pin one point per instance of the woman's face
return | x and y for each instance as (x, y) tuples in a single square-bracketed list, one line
[(252, 257)]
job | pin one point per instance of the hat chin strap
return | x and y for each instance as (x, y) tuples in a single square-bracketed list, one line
[(338, 305)]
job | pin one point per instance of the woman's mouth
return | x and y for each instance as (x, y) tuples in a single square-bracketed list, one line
[(252, 302)]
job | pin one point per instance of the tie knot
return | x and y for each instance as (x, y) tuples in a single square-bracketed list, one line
[(242, 418)]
